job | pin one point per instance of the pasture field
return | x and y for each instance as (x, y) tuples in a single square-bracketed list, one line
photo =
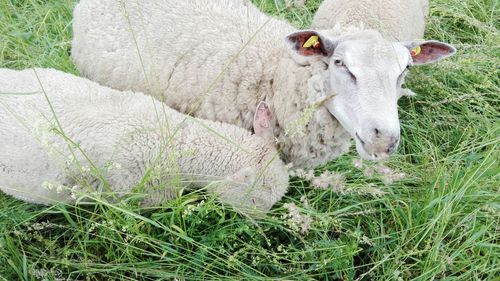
[(440, 222)]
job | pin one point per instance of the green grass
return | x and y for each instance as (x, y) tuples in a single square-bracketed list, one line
[(440, 222)]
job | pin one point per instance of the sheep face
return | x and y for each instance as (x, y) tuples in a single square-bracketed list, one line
[(254, 190), (259, 182), (262, 179), (365, 73)]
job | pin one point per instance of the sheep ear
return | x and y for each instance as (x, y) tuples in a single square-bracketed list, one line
[(309, 43), (262, 121), (426, 52)]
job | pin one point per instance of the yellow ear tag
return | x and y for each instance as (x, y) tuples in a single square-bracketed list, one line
[(415, 51), (311, 42)]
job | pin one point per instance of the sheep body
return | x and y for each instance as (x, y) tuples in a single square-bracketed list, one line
[(399, 20), (213, 59), (123, 135)]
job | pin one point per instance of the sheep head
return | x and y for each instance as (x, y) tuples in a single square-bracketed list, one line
[(261, 181), (365, 73)]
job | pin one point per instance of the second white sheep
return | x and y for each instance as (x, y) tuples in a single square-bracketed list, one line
[(93, 138)]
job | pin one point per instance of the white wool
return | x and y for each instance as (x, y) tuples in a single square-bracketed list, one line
[(213, 59), (123, 135), (398, 20)]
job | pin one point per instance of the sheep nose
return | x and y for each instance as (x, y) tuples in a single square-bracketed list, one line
[(379, 145)]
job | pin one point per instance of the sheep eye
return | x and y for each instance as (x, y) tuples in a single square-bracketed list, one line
[(402, 76), (338, 62)]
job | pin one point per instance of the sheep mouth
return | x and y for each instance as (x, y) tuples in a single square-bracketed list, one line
[(360, 139), (371, 156)]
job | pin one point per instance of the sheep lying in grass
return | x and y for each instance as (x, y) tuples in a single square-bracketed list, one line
[(217, 59), (395, 19), (93, 136)]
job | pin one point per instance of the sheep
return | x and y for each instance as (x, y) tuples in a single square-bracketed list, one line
[(90, 135), (217, 59), (401, 20)]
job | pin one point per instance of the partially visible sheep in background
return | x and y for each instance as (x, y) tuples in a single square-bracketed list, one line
[(93, 136), (399, 20), (217, 59)]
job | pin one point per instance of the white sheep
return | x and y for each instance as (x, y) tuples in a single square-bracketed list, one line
[(401, 20), (95, 136), (217, 59)]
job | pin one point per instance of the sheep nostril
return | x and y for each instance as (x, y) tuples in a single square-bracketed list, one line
[(377, 132), (392, 146)]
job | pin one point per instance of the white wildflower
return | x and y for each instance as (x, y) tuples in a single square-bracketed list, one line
[(327, 179), (280, 248), (199, 205), (255, 260), (309, 175), (45, 274), (368, 172), (389, 175), (383, 169), (297, 221), (188, 211), (337, 182), (304, 201), (397, 275), (306, 224), (37, 226), (321, 182), (43, 225), (372, 190), (366, 240), (390, 178), (92, 227), (40, 274), (490, 210), (357, 163)]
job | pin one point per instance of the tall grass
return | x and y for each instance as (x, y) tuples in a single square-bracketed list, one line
[(440, 222)]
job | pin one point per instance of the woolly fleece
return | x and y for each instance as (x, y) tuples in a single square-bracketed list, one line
[(102, 135), (213, 59)]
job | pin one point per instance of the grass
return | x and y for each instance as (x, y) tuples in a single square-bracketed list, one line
[(440, 222)]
